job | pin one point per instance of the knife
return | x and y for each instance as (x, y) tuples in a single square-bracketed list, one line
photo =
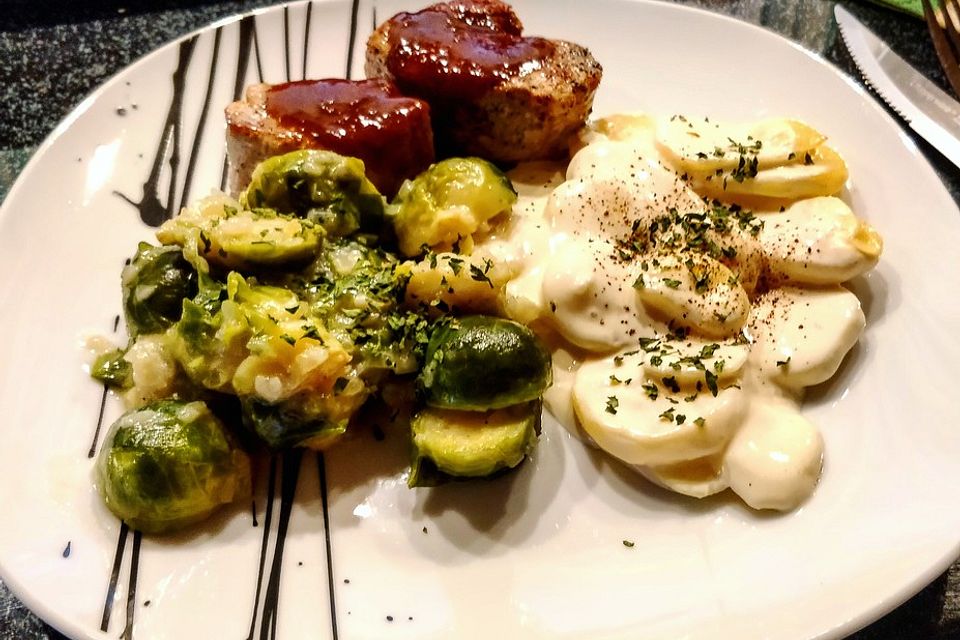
[(929, 111)]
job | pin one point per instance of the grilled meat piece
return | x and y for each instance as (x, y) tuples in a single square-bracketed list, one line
[(493, 92), (367, 119)]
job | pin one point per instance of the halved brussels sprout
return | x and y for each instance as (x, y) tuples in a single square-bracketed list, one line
[(168, 465), (217, 229), (324, 187), (257, 330), (284, 425), (209, 344), (471, 444), (347, 272), (448, 202), (266, 346), (481, 362), (155, 283)]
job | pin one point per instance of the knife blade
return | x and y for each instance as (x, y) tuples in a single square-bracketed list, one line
[(926, 108)]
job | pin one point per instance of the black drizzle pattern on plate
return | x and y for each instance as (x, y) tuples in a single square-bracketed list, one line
[(284, 467)]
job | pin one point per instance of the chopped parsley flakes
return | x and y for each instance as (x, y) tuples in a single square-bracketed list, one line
[(612, 404)]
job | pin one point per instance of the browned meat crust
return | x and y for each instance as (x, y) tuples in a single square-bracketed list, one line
[(369, 120), (527, 116)]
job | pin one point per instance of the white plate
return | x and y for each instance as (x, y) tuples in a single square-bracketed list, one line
[(538, 554)]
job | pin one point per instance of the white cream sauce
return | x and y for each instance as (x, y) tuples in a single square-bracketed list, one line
[(711, 407)]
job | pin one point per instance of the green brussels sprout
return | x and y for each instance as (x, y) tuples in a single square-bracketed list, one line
[(448, 202), (284, 425), (324, 187), (267, 347), (471, 444), (234, 238), (357, 290), (155, 283), (347, 272), (112, 370), (168, 465), (481, 362), (215, 336), (209, 343)]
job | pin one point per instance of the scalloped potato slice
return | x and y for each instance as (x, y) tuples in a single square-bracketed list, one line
[(823, 174), (589, 299), (697, 478), (700, 146), (620, 126), (774, 459), (643, 428), (599, 197), (693, 290), (819, 241), (800, 336)]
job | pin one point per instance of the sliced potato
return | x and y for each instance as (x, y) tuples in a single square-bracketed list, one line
[(644, 423), (819, 241), (800, 336), (774, 459), (616, 127), (697, 478), (822, 173), (700, 146), (689, 362), (693, 290)]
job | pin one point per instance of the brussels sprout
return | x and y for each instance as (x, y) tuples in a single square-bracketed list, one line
[(214, 334), (209, 344), (155, 283), (481, 362), (471, 443), (358, 290), (112, 370), (322, 186), (214, 337), (268, 348), (282, 426), (299, 395), (224, 234), (449, 201), (346, 272), (168, 465)]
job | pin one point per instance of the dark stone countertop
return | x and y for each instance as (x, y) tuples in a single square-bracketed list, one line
[(56, 53)]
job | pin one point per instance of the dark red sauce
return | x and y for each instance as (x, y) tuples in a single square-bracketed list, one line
[(367, 119), (462, 49), (492, 15)]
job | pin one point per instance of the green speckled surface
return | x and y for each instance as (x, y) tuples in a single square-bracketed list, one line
[(54, 54)]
